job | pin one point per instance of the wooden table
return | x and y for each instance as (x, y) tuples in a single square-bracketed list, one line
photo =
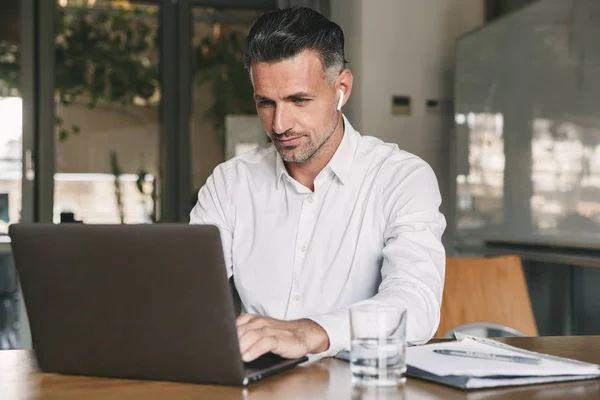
[(325, 379)]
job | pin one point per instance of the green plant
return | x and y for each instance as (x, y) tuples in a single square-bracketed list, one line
[(117, 172), (110, 57), (220, 63), (106, 57), (142, 175), (152, 195), (9, 69)]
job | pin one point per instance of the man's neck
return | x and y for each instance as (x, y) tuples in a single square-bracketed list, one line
[(306, 172)]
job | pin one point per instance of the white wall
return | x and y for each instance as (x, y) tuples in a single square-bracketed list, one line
[(405, 47)]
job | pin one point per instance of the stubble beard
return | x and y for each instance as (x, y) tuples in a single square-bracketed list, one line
[(307, 150)]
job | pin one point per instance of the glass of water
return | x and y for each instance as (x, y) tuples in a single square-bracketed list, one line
[(377, 355)]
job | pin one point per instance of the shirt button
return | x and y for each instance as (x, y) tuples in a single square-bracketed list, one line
[(304, 248), (310, 199), (296, 297)]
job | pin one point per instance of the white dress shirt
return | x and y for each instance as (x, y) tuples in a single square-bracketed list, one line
[(370, 230)]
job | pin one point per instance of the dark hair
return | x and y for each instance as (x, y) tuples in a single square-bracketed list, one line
[(284, 33)]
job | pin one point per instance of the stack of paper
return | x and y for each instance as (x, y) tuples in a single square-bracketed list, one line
[(473, 370)]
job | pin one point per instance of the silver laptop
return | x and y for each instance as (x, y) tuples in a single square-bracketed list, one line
[(133, 301)]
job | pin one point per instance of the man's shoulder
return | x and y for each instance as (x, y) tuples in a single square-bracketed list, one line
[(388, 156), (260, 159), (405, 179), (260, 155)]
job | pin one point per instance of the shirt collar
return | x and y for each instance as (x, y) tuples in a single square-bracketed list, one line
[(340, 163), (280, 169)]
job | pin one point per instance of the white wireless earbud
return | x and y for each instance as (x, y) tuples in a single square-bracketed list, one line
[(341, 100)]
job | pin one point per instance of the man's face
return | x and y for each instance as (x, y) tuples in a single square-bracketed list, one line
[(296, 105)]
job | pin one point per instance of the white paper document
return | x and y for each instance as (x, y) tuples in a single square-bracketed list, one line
[(473, 368)]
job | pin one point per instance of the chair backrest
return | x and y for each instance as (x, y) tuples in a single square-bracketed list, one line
[(486, 290)]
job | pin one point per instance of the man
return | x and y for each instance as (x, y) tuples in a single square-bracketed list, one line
[(322, 218)]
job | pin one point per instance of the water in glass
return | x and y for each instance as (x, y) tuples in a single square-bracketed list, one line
[(378, 361)]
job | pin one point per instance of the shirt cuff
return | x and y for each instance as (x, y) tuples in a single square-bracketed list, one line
[(337, 326)]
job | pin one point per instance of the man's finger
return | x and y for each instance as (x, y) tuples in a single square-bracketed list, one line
[(257, 322), (249, 338), (263, 346), (244, 319)]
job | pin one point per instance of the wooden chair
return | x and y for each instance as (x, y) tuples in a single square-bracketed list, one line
[(486, 292)]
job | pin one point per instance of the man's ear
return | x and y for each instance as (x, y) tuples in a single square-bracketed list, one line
[(344, 83)]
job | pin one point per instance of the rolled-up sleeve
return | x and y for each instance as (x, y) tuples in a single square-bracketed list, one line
[(214, 208), (413, 266)]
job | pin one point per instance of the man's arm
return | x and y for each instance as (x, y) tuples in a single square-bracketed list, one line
[(413, 258), (214, 208), (412, 276), (257, 334)]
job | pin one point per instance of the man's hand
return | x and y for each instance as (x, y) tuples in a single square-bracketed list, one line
[(289, 339)]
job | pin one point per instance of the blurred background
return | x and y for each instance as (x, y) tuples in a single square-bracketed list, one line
[(116, 111)]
